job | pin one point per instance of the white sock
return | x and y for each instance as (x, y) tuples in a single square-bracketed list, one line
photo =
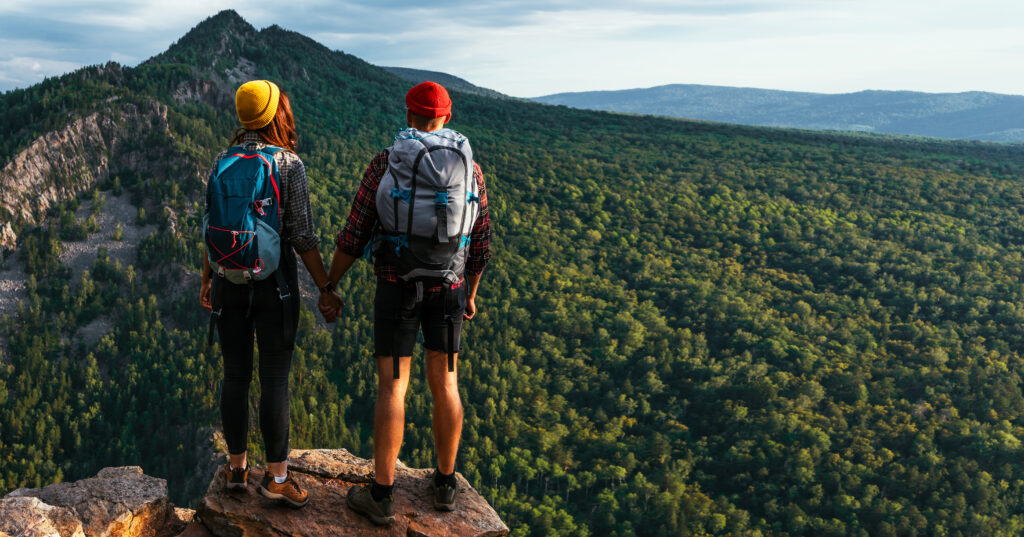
[(280, 480)]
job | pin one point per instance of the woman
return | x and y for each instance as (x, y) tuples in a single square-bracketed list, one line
[(258, 308)]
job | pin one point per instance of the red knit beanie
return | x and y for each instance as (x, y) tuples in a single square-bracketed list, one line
[(429, 99)]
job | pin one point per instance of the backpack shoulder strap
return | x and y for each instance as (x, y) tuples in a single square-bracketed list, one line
[(272, 151), (230, 156)]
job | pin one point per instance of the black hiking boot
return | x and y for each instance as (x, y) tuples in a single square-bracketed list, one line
[(444, 491), (360, 500)]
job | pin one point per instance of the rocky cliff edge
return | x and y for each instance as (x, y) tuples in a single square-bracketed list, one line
[(124, 502)]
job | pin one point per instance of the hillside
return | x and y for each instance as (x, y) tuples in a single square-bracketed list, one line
[(450, 82), (968, 116), (687, 328)]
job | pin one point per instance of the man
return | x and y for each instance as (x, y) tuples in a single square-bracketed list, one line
[(422, 198)]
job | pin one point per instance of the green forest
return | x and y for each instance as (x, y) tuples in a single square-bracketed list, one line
[(686, 328)]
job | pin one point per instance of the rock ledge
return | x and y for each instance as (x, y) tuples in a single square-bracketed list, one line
[(124, 502), (328, 474)]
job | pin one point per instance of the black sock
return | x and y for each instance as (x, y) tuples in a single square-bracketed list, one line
[(444, 479), (379, 492)]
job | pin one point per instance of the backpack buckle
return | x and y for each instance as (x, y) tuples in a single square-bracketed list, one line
[(260, 204), (440, 199)]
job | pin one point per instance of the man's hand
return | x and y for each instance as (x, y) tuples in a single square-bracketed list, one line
[(470, 308), (204, 293), (330, 305)]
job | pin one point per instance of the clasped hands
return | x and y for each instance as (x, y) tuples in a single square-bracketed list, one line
[(330, 305)]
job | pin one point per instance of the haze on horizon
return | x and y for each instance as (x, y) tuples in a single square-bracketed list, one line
[(530, 48)]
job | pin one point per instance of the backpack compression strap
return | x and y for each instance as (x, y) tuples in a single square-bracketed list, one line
[(216, 304), (286, 314), (451, 328), (441, 212), (394, 334)]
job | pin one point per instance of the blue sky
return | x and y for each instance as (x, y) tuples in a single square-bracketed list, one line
[(528, 48)]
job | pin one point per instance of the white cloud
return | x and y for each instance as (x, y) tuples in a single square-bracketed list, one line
[(21, 71), (533, 47)]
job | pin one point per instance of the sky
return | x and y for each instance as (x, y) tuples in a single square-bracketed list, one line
[(529, 48)]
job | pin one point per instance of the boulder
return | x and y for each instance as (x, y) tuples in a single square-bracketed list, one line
[(117, 502), (328, 474), (30, 517)]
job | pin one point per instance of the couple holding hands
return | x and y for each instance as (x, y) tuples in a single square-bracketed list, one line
[(421, 210)]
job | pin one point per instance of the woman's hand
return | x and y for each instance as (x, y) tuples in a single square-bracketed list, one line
[(204, 293), (470, 308), (330, 305)]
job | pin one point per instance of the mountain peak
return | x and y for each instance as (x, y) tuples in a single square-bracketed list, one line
[(226, 20), (226, 16), (216, 37)]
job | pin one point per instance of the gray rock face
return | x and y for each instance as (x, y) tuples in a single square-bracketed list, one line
[(328, 474), (118, 502), (64, 163), (7, 238)]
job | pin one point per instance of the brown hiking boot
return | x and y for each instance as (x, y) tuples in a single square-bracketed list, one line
[(238, 478), (288, 492)]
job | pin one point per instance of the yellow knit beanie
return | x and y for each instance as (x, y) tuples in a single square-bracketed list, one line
[(256, 103)]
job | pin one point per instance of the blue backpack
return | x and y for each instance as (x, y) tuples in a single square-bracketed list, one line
[(243, 219), (242, 225)]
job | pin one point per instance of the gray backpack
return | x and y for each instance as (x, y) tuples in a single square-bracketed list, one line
[(427, 203)]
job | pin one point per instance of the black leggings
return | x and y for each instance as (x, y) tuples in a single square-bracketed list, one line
[(236, 340)]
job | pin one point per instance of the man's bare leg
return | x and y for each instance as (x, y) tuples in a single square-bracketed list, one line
[(389, 417), (447, 409)]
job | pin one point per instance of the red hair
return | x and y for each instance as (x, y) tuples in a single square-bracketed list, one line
[(280, 131)]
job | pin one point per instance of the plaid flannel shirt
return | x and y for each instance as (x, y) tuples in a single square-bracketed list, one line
[(362, 220), (296, 214)]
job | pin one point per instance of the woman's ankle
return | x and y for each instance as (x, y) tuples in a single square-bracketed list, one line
[(238, 461), (278, 469)]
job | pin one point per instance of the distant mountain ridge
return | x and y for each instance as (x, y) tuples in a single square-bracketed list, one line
[(451, 82), (972, 115)]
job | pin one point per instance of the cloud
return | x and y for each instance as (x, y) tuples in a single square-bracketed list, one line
[(21, 71), (532, 47)]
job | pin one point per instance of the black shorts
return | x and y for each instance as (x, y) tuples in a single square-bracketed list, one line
[(397, 318)]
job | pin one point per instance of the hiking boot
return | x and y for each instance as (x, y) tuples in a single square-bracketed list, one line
[(360, 500), (444, 493), (288, 492), (238, 478)]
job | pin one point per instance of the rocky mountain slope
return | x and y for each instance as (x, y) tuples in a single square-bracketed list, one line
[(125, 138)]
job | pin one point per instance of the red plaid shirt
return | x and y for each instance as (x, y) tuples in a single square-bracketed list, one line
[(362, 220)]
